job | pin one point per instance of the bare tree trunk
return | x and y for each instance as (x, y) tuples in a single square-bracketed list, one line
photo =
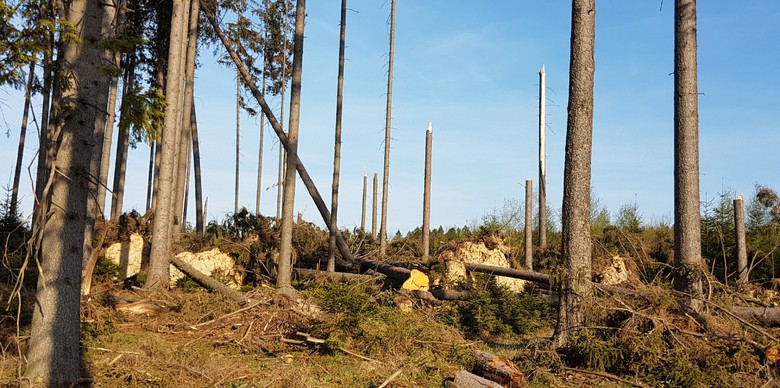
[(22, 136), (576, 251), (54, 353), (185, 138), (739, 232), (363, 213), (687, 216), (122, 148), (259, 189), (284, 276), (388, 116), (542, 161), (159, 265), (426, 226), (374, 201), (150, 176), (238, 140), (529, 244), (282, 157), (334, 199), (199, 211)]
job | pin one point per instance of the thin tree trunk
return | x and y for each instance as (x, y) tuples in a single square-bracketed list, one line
[(388, 116), (150, 176), (687, 218), (54, 352), (122, 148), (22, 136), (374, 202), (334, 204), (426, 226), (542, 161), (363, 213), (529, 244), (199, 211), (259, 189), (188, 171), (282, 157), (159, 266), (739, 232), (238, 139), (576, 251)]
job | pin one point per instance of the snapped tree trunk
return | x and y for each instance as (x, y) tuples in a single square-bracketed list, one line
[(363, 212), (388, 116), (53, 354), (576, 250), (529, 244), (334, 200), (689, 267), (739, 232), (426, 226)]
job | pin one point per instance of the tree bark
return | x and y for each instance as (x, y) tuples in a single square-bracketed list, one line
[(533, 276), (159, 268), (54, 352), (529, 242), (498, 369), (334, 276), (22, 135), (469, 380), (388, 117), (199, 214), (426, 226), (122, 147), (334, 199), (576, 250), (542, 161), (374, 201), (283, 278), (739, 237), (238, 141), (209, 282), (689, 267), (363, 212)]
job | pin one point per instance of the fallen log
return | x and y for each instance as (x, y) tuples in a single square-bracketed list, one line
[(335, 276), (209, 282), (469, 380), (533, 276), (396, 273), (767, 316), (498, 369)]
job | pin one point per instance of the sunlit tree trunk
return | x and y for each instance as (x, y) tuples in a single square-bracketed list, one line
[(687, 217), (426, 226), (576, 248), (123, 146), (54, 352), (542, 161), (388, 115), (334, 204), (200, 227), (283, 279)]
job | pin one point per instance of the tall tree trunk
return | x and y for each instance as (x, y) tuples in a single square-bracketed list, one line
[(334, 199), (388, 116), (159, 266), (374, 204), (687, 217), (22, 136), (199, 213), (123, 146), (238, 140), (284, 275), (185, 140), (739, 237), (54, 353), (426, 226), (259, 189), (363, 213), (542, 160), (150, 176), (576, 250), (282, 157), (529, 247)]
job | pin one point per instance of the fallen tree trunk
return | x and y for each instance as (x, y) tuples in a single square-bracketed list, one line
[(533, 276), (498, 369), (396, 273), (335, 276), (469, 380), (209, 282), (767, 316)]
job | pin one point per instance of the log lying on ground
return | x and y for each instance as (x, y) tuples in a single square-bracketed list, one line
[(767, 316), (469, 380), (498, 369), (336, 276), (533, 276), (209, 282), (396, 273)]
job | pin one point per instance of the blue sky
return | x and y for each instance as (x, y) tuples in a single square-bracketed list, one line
[(473, 71)]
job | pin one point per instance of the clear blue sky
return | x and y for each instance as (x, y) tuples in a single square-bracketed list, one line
[(472, 70)]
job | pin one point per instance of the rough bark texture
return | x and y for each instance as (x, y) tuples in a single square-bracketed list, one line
[(529, 243), (159, 268), (388, 120), (283, 278), (54, 353), (426, 226), (687, 219), (576, 250), (739, 236), (469, 380), (334, 199)]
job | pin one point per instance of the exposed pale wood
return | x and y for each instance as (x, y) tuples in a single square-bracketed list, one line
[(498, 369), (391, 378), (209, 282), (469, 380)]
